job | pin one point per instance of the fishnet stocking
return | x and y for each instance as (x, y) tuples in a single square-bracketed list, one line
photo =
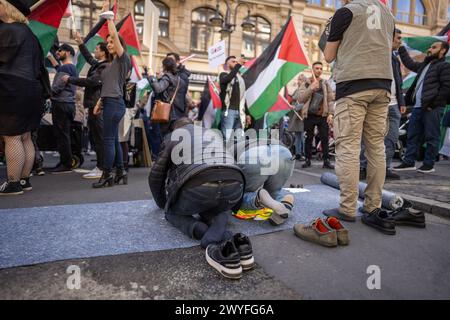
[(19, 151)]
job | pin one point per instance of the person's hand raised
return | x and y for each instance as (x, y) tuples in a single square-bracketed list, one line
[(78, 39)]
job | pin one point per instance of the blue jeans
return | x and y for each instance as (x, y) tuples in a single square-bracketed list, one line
[(212, 201), (113, 112), (299, 143), (231, 121), (255, 180), (424, 124), (391, 138)]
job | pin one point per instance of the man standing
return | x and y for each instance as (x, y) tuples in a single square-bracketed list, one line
[(397, 107), (318, 110), (63, 106), (360, 41), (232, 94), (93, 86), (428, 94)]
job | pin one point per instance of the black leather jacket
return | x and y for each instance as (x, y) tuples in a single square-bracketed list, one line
[(396, 67), (436, 86), (165, 192), (92, 83)]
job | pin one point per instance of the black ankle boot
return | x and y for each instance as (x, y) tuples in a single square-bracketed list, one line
[(107, 180), (327, 165), (307, 164), (121, 175)]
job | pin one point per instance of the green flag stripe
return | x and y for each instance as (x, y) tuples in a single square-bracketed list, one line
[(274, 117), (90, 45), (46, 34), (270, 95)]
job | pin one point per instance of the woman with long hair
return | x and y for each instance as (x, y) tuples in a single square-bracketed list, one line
[(24, 85), (166, 87), (112, 103)]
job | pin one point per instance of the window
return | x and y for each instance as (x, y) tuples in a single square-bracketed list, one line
[(332, 4), (164, 15), (85, 14), (419, 15), (255, 42), (413, 11), (203, 35)]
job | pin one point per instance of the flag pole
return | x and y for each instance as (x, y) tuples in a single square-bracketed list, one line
[(37, 4)]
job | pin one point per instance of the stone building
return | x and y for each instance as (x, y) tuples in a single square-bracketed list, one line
[(184, 25)]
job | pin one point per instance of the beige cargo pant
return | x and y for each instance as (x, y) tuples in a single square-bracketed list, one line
[(361, 116)]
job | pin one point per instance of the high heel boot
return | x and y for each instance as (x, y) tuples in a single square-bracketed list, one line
[(107, 180), (121, 176)]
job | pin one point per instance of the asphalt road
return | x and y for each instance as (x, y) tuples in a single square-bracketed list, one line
[(413, 264)]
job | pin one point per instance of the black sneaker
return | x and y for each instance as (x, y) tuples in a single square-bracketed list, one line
[(380, 220), (405, 167), (407, 216), (327, 165), (307, 164), (244, 247), (40, 171), (26, 185), (60, 169), (391, 175), (10, 189), (426, 169), (225, 258)]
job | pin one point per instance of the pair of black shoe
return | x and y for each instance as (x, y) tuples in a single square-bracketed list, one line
[(10, 188), (108, 180), (387, 221), (326, 164), (231, 257)]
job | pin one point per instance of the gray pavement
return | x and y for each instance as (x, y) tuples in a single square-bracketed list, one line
[(414, 263)]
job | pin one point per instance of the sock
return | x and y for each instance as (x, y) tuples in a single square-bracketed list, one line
[(267, 201), (199, 230)]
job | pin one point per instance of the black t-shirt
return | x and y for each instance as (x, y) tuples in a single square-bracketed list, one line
[(340, 23)]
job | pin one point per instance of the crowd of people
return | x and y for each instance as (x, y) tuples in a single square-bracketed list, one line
[(359, 109)]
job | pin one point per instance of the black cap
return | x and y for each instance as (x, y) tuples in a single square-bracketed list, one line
[(21, 6), (68, 48)]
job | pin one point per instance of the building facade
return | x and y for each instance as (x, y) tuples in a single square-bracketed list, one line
[(184, 26)]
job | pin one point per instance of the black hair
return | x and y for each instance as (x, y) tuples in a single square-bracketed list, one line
[(317, 62), (445, 45), (104, 48), (175, 55), (229, 58), (169, 65), (398, 31)]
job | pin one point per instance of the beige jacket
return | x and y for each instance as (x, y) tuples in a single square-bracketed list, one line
[(305, 96)]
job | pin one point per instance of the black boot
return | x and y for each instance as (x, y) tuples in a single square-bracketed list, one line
[(107, 180), (327, 165), (307, 164), (121, 176)]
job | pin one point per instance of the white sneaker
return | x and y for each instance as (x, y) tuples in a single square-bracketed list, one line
[(96, 173)]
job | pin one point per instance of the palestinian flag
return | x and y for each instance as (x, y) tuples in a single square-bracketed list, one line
[(278, 111), (216, 102), (98, 34), (127, 29), (420, 45), (282, 60), (247, 66), (45, 21), (142, 87), (135, 72)]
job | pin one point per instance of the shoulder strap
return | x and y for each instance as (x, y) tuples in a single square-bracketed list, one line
[(176, 91)]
